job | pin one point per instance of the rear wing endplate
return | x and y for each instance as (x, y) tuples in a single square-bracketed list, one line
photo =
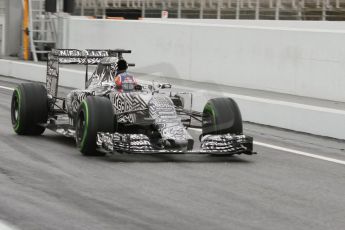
[(74, 56)]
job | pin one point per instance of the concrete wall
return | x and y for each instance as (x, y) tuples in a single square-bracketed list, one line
[(2, 35), (274, 112), (13, 29), (314, 25), (3, 7), (299, 61)]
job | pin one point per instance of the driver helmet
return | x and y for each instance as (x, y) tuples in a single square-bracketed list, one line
[(122, 66), (118, 67)]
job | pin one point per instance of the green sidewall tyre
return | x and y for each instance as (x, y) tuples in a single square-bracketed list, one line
[(221, 116), (95, 115)]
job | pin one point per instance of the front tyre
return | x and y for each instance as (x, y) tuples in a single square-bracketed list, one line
[(95, 115), (29, 109), (221, 116)]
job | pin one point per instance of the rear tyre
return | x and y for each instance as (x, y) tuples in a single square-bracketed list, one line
[(95, 114), (221, 116), (29, 109)]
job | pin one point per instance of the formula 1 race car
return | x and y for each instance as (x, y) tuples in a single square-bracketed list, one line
[(137, 118)]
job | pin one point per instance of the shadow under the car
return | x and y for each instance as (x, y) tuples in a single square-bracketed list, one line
[(57, 138), (187, 158), (118, 157)]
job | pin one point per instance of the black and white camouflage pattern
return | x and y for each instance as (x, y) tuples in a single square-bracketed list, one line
[(139, 143), (127, 106), (74, 56), (124, 142), (226, 143), (73, 100), (135, 106), (52, 78), (162, 109)]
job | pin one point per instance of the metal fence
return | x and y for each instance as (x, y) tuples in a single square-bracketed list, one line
[(222, 9)]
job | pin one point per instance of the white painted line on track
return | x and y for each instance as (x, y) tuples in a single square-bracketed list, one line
[(300, 153), (333, 160), (267, 146), (5, 226), (8, 88)]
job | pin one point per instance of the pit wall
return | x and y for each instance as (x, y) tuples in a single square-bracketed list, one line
[(2, 35), (314, 25), (304, 60), (13, 27), (274, 112)]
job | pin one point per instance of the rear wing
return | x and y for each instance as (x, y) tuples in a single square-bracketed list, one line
[(74, 56)]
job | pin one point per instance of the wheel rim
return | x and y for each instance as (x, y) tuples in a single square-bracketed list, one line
[(15, 110)]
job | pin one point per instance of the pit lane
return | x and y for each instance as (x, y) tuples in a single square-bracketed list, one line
[(47, 184)]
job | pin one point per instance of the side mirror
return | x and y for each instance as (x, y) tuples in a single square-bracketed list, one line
[(164, 86)]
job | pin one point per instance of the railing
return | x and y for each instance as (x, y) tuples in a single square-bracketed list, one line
[(222, 9)]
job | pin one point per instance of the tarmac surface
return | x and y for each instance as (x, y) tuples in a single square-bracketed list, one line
[(45, 183)]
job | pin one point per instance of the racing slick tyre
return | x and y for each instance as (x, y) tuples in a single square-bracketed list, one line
[(221, 116), (95, 114), (29, 108)]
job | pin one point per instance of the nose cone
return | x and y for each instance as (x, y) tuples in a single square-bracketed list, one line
[(169, 124)]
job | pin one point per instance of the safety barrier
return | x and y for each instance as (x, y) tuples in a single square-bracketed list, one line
[(298, 61), (223, 9), (2, 27), (279, 111), (305, 60)]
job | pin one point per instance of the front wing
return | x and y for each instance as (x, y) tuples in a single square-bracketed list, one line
[(210, 144)]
